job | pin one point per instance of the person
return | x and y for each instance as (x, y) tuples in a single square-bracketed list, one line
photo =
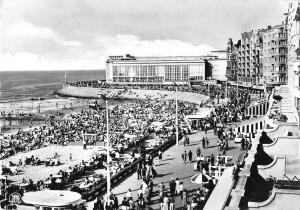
[(125, 204), (212, 160), (172, 185), (177, 186), (131, 204), (84, 144), (128, 194), (139, 171), (180, 189), (184, 198), (198, 152), (194, 203), (166, 203), (159, 155), (70, 157), (188, 140), (172, 203), (115, 201), (207, 142), (161, 189), (203, 142), (190, 154), (184, 156)]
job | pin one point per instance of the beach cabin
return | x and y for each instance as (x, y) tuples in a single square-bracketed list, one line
[(52, 200)]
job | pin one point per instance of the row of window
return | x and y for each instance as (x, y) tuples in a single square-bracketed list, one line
[(169, 72)]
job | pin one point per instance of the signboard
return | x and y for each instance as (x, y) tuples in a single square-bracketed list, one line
[(15, 198)]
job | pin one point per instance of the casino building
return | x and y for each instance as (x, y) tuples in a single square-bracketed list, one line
[(168, 69)]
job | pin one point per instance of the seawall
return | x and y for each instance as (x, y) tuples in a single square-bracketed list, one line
[(89, 92)]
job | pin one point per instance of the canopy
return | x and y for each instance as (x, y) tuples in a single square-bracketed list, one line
[(52, 198), (200, 178), (203, 113)]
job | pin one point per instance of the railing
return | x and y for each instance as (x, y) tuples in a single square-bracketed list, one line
[(292, 180)]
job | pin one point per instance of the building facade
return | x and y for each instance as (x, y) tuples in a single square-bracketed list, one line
[(232, 52), (260, 58), (293, 47), (274, 55), (248, 58), (180, 69), (219, 64)]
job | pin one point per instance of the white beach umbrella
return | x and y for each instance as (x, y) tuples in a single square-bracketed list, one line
[(200, 178)]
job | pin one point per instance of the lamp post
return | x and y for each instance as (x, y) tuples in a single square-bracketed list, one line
[(177, 140), (176, 114), (104, 97), (226, 91)]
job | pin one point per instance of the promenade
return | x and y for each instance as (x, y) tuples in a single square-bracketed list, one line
[(172, 166)]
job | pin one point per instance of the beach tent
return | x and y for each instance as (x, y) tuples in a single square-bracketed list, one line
[(200, 178)]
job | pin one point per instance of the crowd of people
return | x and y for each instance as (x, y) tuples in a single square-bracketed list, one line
[(128, 124)]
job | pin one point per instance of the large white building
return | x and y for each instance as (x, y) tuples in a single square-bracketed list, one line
[(181, 69), (167, 69), (293, 46)]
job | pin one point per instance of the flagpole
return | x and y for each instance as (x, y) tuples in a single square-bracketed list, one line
[(108, 184)]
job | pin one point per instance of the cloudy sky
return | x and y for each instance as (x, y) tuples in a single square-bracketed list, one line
[(80, 34)]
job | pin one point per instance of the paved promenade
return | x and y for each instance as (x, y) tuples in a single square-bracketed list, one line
[(172, 166)]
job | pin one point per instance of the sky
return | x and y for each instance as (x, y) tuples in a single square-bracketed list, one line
[(81, 34)]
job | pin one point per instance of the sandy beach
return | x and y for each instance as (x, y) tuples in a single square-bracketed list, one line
[(41, 172)]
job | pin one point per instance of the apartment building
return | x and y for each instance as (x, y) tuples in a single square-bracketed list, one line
[(248, 58), (274, 55), (293, 55), (260, 58)]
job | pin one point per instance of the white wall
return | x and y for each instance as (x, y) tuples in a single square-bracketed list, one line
[(219, 69)]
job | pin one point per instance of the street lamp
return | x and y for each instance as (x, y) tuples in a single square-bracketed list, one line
[(104, 97), (176, 120)]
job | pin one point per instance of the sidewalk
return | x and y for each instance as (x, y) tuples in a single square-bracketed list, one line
[(172, 166)]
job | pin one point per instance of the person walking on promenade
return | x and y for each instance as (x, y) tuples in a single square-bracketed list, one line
[(198, 152), (184, 198), (187, 140), (159, 155), (172, 203), (84, 144), (177, 186), (165, 203), (207, 142), (184, 155), (161, 190), (172, 185), (212, 160), (143, 172), (190, 154), (139, 171), (203, 142), (180, 189), (115, 202)]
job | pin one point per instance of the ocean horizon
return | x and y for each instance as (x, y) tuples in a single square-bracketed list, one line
[(25, 85)]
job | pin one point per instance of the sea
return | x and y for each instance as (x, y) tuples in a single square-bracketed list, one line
[(24, 85)]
